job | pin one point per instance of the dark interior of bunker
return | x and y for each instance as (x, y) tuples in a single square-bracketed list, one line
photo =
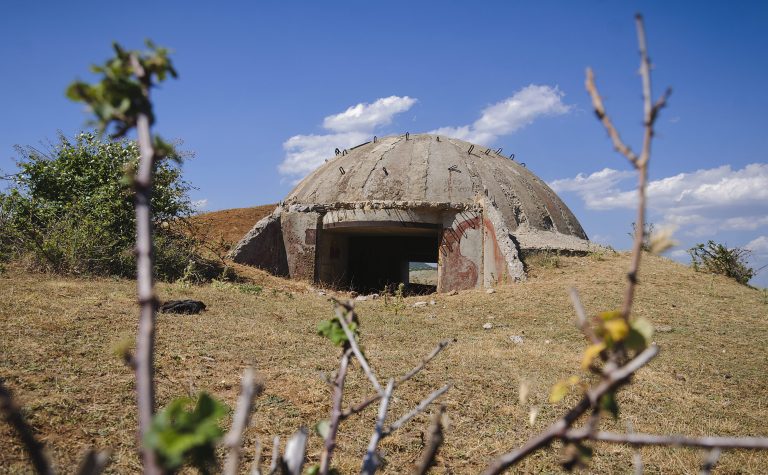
[(369, 260)]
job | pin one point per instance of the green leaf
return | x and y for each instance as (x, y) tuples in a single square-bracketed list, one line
[(617, 329), (608, 403), (591, 353), (332, 330), (179, 435), (322, 428), (561, 389), (645, 328)]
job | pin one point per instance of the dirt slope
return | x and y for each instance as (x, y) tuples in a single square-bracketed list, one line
[(58, 335), (230, 225)]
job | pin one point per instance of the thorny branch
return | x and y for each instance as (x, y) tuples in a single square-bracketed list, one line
[(638, 439), (345, 315), (145, 340), (613, 375), (233, 441), (416, 410), (612, 381), (12, 414), (371, 459), (410, 374), (342, 311), (335, 420), (434, 441), (581, 317)]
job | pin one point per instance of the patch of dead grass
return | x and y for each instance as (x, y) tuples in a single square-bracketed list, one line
[(57, 340)]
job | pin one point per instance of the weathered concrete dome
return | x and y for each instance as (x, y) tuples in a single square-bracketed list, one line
[(426, 168), (359, 219)]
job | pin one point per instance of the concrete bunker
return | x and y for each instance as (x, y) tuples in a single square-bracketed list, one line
[(369, 256), (362, 218)]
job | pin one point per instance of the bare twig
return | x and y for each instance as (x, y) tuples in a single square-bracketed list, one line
[(709, 463), (611, 381), (335, 419), (276, 459), (234, 439), (256, 467), (581, 317), (416, 410), (637, 457), (145, 340), (416, 369), (295, 449), (434, 441), (13, 416), (371, 459), (341, 314), (615, 376), (650, 113), (637, 463), (597, 104), (410, 374), (93, 463), (638, 439)]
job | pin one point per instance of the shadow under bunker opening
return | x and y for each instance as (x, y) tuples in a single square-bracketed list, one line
[(368, 261)]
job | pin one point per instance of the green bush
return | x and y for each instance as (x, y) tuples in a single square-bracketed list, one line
[(71, 211), (719, 259)]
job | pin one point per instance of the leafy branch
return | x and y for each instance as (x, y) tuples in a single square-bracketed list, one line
[(619, 344)]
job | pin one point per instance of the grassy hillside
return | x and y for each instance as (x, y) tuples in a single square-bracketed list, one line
[(58, 338), (229, 225)]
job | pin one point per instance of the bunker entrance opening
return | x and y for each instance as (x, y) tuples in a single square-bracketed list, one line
[(370, 260)]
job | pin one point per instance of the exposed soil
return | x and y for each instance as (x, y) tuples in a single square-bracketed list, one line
[(58, 338)]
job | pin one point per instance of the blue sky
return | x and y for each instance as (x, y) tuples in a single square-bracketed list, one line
[(270, 83)]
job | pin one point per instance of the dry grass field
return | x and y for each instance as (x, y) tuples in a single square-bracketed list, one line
[(58, 341), (223, 229)]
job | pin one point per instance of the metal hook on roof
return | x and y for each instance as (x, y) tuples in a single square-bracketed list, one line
[(438, 138), (337, 151), (344, 152), (487, 150), (511, 156), (341, 169), (498, 151), (385, 170), (471, 147), (522, 164), (407, 135), (374, 139), (454, 168)]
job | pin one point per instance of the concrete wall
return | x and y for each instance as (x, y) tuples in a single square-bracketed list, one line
[(460, 263), (332, 258), (300, 239), (494, 264), (501, 257), (263, 246)]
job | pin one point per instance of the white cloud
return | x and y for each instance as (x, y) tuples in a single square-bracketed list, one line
[(511, 114), (366, 117), (304, 153), (595, 189), (601, 238), (703, 201), (680, 254), (759, 245), (200, 205)]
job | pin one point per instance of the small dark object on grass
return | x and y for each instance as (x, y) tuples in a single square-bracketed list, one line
[(182, 306)]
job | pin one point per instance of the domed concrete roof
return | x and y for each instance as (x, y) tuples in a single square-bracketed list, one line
[(431, 169)]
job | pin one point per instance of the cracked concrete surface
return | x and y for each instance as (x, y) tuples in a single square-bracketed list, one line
[(429, 179)]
